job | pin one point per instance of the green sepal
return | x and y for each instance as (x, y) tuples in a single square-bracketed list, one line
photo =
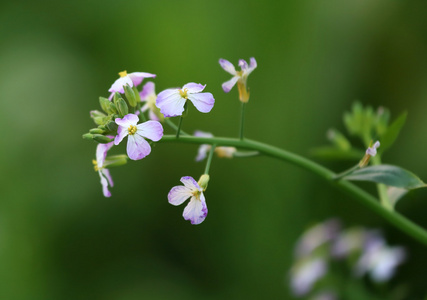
[(104, 102), (116, 97), (390, 136), (388, 175), (122, 107), (112, 126), (115, 160), (96, 131), (130, 95), (102, 139)]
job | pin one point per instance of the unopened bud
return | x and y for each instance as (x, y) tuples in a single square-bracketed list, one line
[(96, 131), (104, 102), (87, 136), (112, 126), (203, 181), (371, 151), (116, 97), (122, 107), (137, 95), (130, 95), (102, 139), (112, 109), (116, 160), (98, 117)]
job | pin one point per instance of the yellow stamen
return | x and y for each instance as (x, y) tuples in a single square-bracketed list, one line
[(95, 165), (123, 73), (196, 194), (132, 129), (183, 93)]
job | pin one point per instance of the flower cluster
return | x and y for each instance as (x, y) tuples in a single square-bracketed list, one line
[(326, 243)]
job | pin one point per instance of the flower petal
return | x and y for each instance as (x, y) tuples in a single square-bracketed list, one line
[(196, 210), (121, 133), (227, 66), (104, 184), (137, 77), (129, 119), (170, 102), (203, 101), (147, 89), (202, 152), (200, 133), (152, 130), (178, 194), (101, 152), (153, 116), (193, 87), (243, 64), (137, 147), (252, 65), (117, 86), (107, 175), (190, 183), (228, 85)]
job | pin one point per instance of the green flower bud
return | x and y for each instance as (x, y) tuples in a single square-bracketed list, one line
[(96, 131), (102, 139), (112, 109), (98, 117), (203, 181), (130, 95), (104, 102), (116, 97), (87, 136), (115, 160), (122, 107), (137, 96), (112, 126)]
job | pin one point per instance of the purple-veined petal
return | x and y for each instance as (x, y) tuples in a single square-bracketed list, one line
[(152, 130), (202, 152), (243, 64), (104, 184), (101, 152), (107, 175), (137, 77), (228, 85), (202, 101), (190, 183), (193, 87), (196, 210), (117, 86), (178, 194), (129, 119), (137, 147), (121, 133), (147, 89), (252, 65), (200, 133), (227, 66), (170, 102)]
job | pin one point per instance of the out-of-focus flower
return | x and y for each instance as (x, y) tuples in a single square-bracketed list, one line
[(104, 174), (239, 77), (196, 210), (349, 241), (148, 95), (325, 295), (205, 148), (171, 101), (137, 146), (133, 79), (305, 273)]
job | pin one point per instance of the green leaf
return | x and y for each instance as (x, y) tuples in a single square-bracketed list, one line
[(388, 175), (392, 132), (395, 194), (334, 153)]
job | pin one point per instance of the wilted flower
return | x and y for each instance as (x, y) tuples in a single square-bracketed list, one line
[(205, 148), (196, 210), (148, 95), (137, 146), (171, 101), (104, 174), (239, 77), (133, 79), (372, 151), (305, 273)]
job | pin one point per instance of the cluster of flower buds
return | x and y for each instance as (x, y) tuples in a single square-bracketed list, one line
[(366, 251), (125, 112)]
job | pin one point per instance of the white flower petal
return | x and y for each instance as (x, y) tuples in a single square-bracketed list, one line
[(178, 194), (196, 210)]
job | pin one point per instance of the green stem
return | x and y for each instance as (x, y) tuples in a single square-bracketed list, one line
[(179, 127), (347, 187), (173, 126), (345, 173), (208, 164), (242, 120)]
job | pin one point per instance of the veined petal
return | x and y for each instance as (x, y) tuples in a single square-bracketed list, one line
[(202, 152), (202, 101), (107, 175), (101, 152), (147, 89), (190, 183), (152, 130), (137, 147), (228, 85), (104, 184), (196, 210), (170, 102), (227, 66), (193, 87), (117, 86), (121, 133), (252, 65), (137, 77), (200, 133), (243, 64), (178, 194), (129, 119)]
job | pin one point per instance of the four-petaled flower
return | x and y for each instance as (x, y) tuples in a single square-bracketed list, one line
[(104, 174), (372, 151), (221, 151), (133, 79), (239, 77), (137, 146), (148, 95), (196, 210), (171, 101)]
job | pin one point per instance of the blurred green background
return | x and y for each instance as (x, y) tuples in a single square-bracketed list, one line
[(61, 239)]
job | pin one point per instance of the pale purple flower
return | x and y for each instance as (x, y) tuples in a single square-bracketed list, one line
[(137, 146), (205, 148), (148, 95), (104, 174), (349, 241), (239, 77), (196, 210), (171, 101), (133, 79), (305, 273), (372, 151)]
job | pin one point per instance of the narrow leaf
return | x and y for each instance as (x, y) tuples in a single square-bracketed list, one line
[(392, 132), (388, 175)]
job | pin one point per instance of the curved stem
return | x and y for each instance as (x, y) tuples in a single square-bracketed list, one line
[(365, 198)]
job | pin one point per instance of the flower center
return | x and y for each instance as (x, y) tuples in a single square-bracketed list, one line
[(95, 165), (184, 93), (132, 129), (196, 194), (123, 74)]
